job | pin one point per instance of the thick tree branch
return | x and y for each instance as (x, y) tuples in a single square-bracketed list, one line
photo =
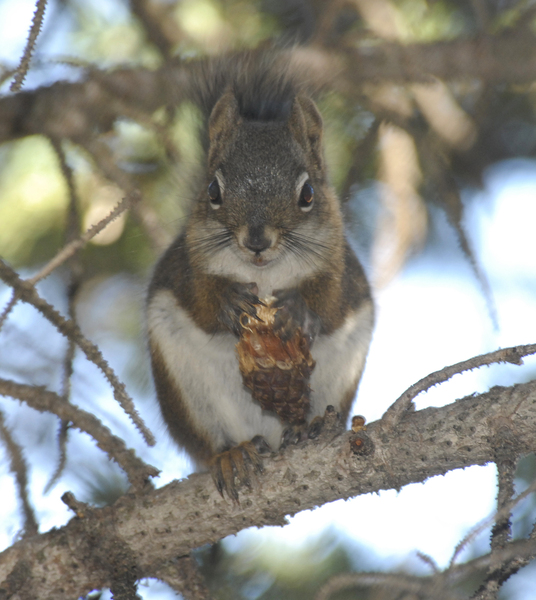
[(78, 110), (160, 526)]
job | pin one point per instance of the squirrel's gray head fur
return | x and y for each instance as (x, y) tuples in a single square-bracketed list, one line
[(268, 199)]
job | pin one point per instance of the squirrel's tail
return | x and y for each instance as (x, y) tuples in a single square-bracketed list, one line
[(263, 82)]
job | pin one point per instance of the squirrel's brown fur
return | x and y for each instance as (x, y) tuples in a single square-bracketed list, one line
[(269, 224)]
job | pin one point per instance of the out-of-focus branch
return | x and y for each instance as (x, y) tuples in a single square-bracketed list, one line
[(43, 400), (150, 223), (153, 28), (505, 58), (78, 110), (18, 467), (8, 308), (413, 586), (70, 330), (72, 247)]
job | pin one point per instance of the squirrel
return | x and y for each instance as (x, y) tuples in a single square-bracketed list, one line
[(265, 222)]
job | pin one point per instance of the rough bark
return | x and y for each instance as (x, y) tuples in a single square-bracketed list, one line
[(142, 533)]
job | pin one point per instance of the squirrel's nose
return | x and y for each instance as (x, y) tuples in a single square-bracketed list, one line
[(256, 241)]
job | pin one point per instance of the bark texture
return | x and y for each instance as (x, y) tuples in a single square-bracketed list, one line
[(143, 533)]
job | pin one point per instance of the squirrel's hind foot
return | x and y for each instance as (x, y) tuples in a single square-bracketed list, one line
[(237, 465)]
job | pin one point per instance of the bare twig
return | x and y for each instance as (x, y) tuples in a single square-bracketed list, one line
[(511, 355), (35, 29), (45, 401), (498, 516), (70, 330), (105, 161), (425, 586), (70, 249), (502, 530), (18, 467), (501, 533), (63, 432), (75, 272), (8, 308)]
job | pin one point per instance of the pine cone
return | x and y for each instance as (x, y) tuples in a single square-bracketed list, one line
[(276, 371)]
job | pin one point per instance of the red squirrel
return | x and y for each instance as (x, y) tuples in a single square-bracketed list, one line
[(265, 221)]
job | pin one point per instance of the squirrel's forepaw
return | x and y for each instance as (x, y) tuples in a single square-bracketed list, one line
[(237, 465), (293, 314), (239, 298)]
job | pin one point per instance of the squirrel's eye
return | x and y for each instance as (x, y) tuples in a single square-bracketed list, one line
[(306, 197), (214, 194)]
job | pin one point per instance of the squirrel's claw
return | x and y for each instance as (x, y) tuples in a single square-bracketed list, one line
[(238, 299), (293, 434), (293, 313), (237, 465)]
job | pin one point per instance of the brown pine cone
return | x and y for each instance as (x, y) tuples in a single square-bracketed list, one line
[(276, 371)]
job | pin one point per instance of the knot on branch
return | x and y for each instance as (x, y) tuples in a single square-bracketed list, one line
[(504, 441)]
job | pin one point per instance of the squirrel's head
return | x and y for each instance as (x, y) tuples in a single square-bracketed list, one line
[(267, 199)]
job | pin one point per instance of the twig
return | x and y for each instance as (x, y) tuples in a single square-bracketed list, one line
[(18, 467), (75, 273), (500, 514), (74, 245), (403, 404), (104, 160), (8, 308), (69, 250), (502, 566), (63, 432), (45, 401), (400, 582), (501, 533), (35, 29), (502, 530), (71, 331)]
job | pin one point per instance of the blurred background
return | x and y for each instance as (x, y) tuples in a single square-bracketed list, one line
[(438, 180)]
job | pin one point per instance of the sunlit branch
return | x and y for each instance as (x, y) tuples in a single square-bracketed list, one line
[(513, 355)]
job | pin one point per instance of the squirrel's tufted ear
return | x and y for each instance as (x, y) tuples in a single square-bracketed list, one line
[(305, 124), (224, 119)]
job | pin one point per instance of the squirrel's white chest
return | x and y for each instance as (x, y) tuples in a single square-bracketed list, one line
[(205, 369)]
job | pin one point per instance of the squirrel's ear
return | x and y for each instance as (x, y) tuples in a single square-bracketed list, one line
[(306, 125), (223, 121)]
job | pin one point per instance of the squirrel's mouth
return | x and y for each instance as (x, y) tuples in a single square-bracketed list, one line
[(260, 261)]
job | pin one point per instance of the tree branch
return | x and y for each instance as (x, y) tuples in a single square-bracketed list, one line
[(70, 330), (513, 355), (45, 401), (159, 526), (78, 110)]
